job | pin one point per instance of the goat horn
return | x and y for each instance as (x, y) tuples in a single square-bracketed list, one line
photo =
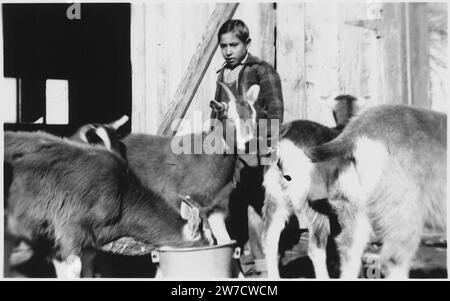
[(118, 123)]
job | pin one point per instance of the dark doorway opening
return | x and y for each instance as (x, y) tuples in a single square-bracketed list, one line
[(92, 53)]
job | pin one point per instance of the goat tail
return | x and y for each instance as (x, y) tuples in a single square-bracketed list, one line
[(339, 148)]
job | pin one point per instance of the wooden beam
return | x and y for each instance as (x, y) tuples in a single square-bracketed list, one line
[(267, 25), (394, 73), (138, 64), (196, 69), (417, 51), (321, 61), (291, 58), (405, 46)]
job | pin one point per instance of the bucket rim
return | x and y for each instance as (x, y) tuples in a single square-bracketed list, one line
[(167, 249)]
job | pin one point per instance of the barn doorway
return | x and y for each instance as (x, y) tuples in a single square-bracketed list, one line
[(71, 65)]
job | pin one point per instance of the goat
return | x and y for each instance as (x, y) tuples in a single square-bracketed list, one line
[(291, 181), (204, 177), (388, 167), (80, 196)]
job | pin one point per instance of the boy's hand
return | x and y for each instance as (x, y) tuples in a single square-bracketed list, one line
[(219, 108)]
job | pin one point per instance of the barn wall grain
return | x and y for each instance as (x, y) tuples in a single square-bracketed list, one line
[(255, 16), (320, 50), (291, 64), (438, 41)]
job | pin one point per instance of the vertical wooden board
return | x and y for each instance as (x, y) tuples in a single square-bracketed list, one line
[(186, 22), (8, 100), (321, 60), (165, 31), (156, 59), (171, 50), (438, 41), (205, 92), (176, 50), (57, 101), (418, 54), (373, 58), (351, 51), (138, 71), (290, 48), (394, 77), (267, 22), (359, 64)]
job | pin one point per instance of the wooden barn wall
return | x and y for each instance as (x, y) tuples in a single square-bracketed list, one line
[(160, 60), (438, 41), (320, 50)]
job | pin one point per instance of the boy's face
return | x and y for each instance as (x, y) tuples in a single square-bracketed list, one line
[(233, 49)]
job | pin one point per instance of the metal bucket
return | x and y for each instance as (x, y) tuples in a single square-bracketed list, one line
[(217, 261)]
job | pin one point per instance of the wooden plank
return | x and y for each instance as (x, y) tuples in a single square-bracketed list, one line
[(359, 56), (417, 52), (199, 107), (138, 70), (321, 60), (394, 74), (158, 58), (8, 86), (57, 101), (405, 53), (437, 26), (197, 68), (290, 49), (267, 23)]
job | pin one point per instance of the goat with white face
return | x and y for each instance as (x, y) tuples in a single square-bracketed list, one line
[(204, 177), (82, 197), (389, 167), (197, 176), (293, 180), (238, 115)]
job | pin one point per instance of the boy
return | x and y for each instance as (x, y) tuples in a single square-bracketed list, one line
[(240, 71)]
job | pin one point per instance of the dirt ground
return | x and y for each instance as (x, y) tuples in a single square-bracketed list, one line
[(430, 262)]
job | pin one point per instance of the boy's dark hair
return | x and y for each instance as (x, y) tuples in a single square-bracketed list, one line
[(236, 26)]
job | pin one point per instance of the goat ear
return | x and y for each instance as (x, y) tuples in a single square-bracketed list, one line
[(81, 134), (191, 213), (228, 91), (104, 137), (185, 209), (252, 94), (194, 221)]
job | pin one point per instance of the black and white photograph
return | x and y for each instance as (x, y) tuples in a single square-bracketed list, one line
[(194, 140)]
